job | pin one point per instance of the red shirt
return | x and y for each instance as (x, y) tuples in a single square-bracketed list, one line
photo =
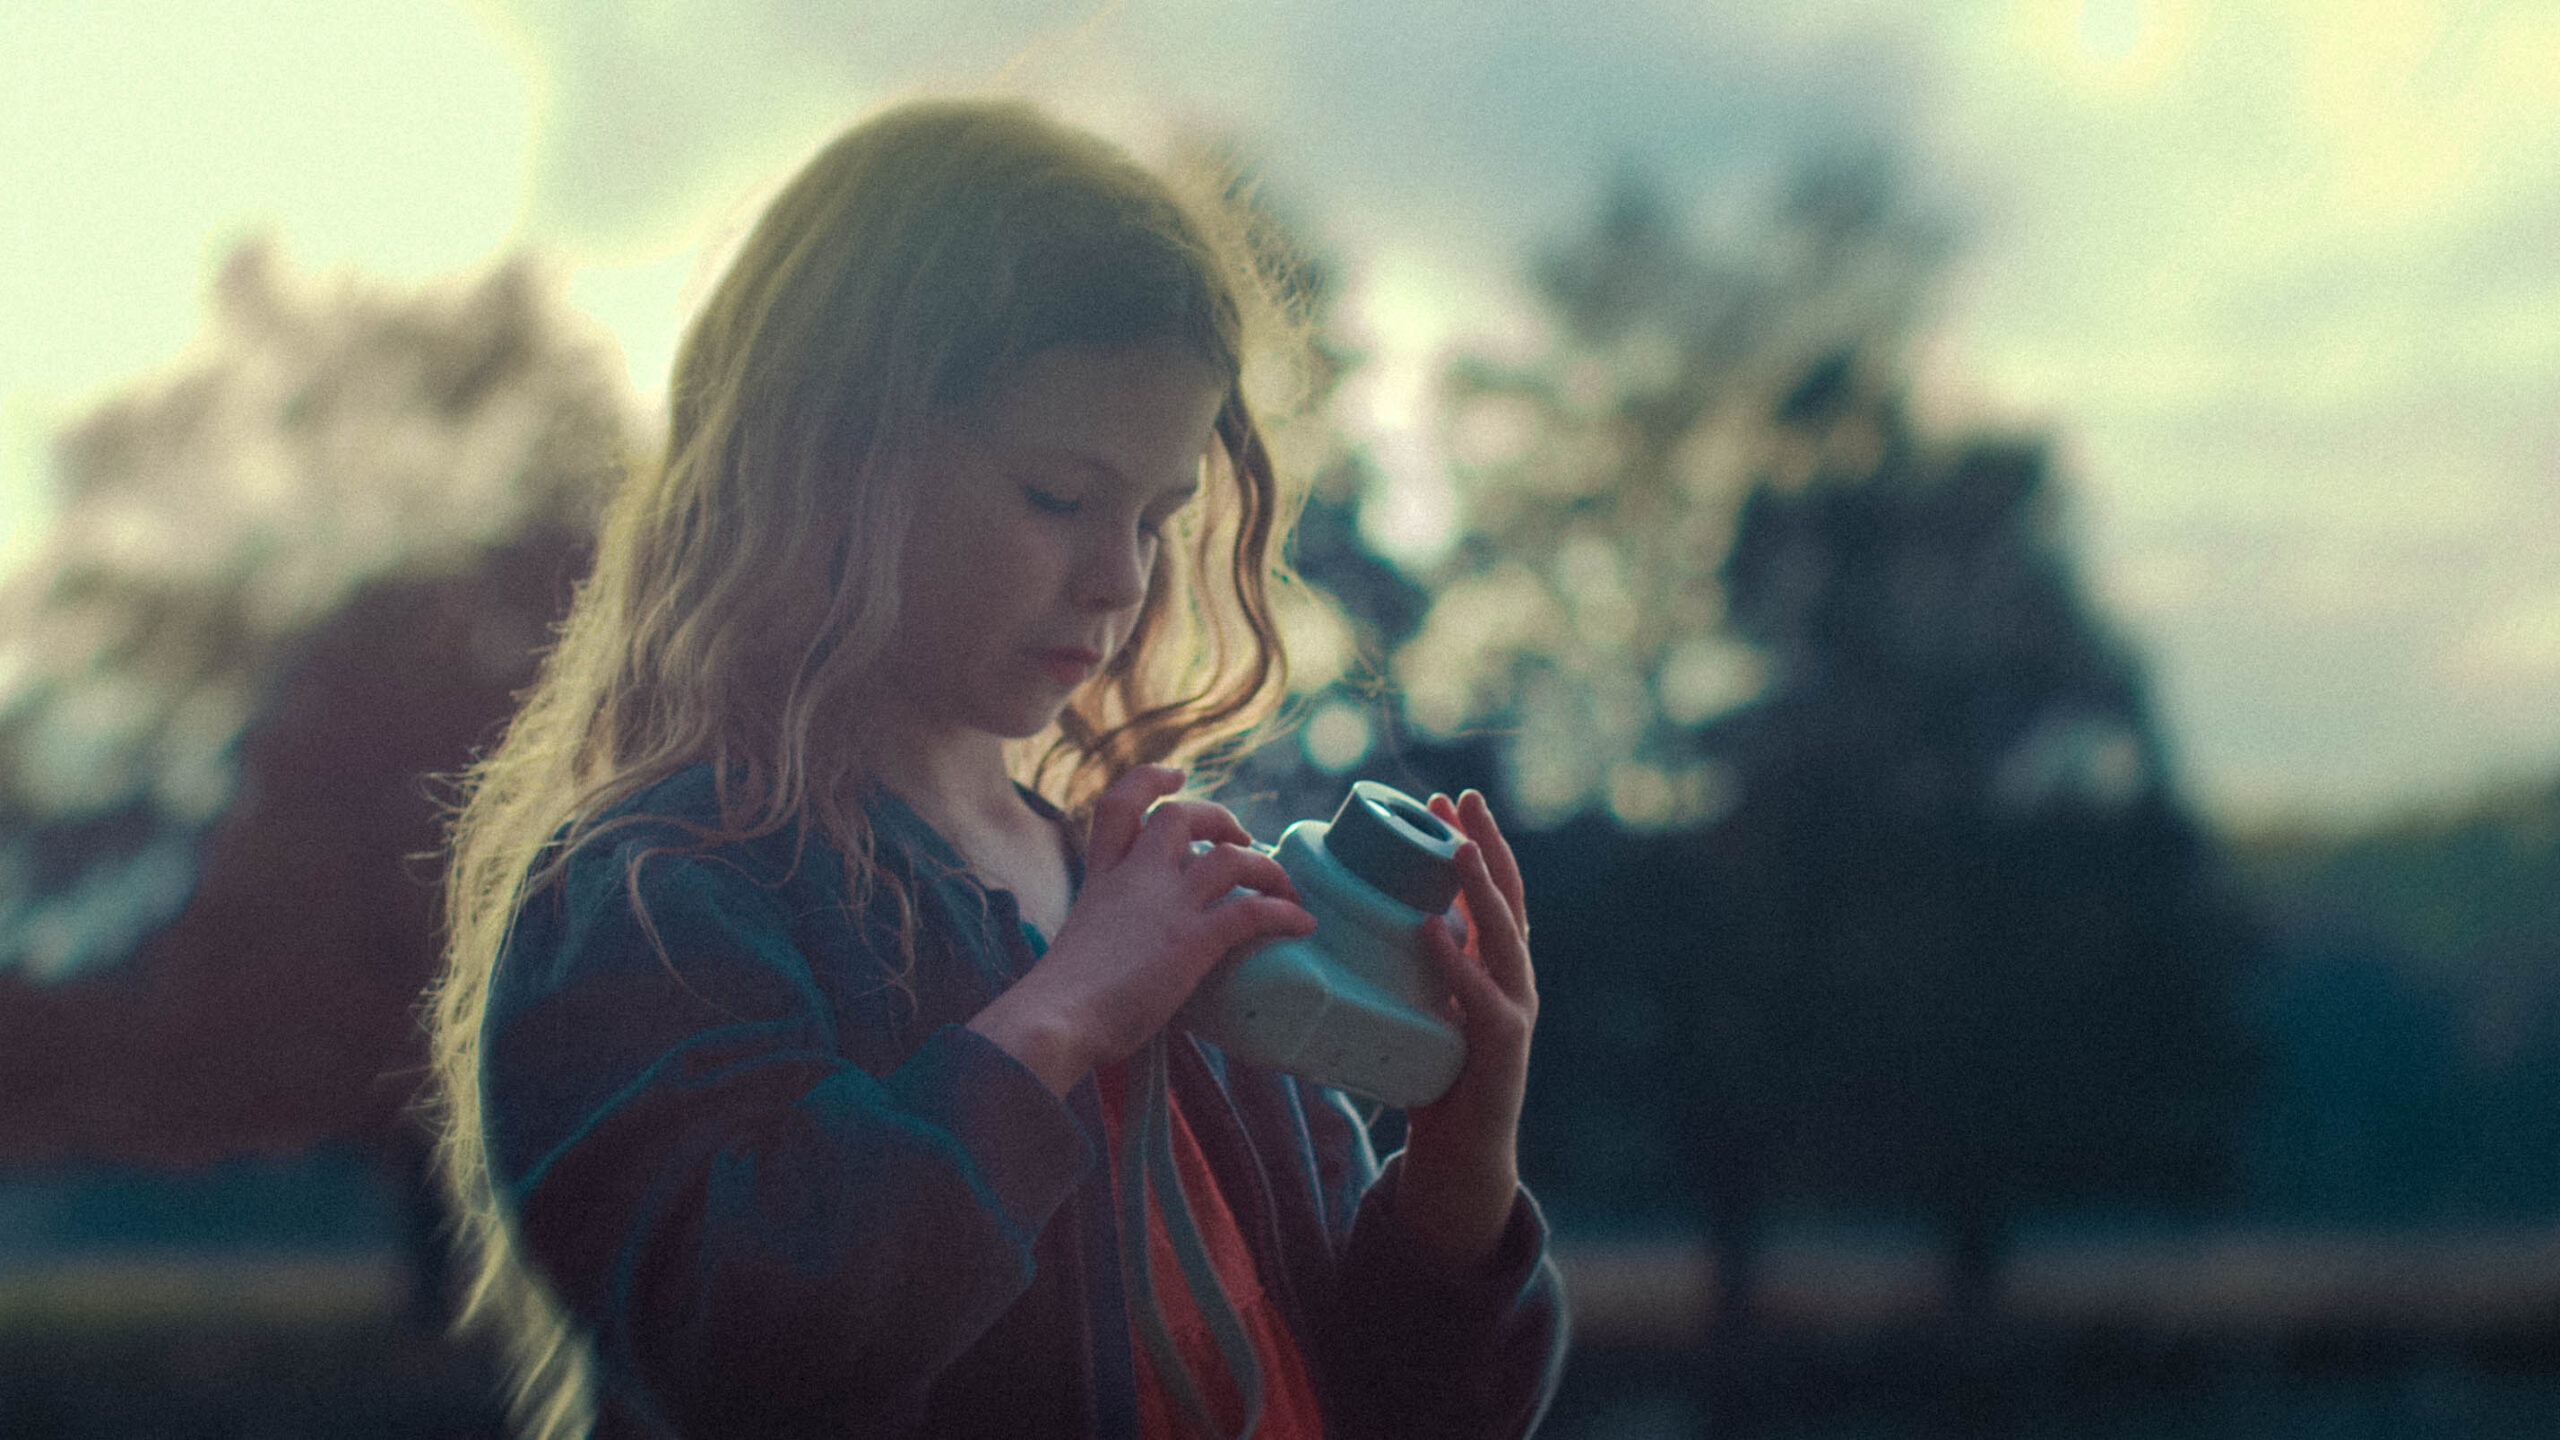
[(1288, 1399)]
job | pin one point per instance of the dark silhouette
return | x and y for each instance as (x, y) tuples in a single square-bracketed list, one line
[(2412, 1012), (2013, 962)]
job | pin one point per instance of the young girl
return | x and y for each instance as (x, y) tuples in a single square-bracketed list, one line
[(783, 1039)]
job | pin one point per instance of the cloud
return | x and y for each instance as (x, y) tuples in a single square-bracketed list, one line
[(140, 138), (2283, 284), (1489, 114), (2287, 286)]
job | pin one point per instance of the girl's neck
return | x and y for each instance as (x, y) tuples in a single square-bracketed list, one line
[(955, 779), (958, 783)]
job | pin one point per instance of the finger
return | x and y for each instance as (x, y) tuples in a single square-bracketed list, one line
[(1490, 908), (1441, 806), (1177, 823), (1481, 828), (1472, 819), (1122, 808), (1480, 1002), (1447, 810), (1222, 868), (1248, 918), (1165, 831), (1498, 938), (1210, 820)]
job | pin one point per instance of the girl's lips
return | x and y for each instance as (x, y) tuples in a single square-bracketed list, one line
[(1069, 666)]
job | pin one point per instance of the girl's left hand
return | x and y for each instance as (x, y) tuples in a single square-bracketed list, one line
[(1461, 1158)]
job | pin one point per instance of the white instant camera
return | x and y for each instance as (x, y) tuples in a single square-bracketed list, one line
[(1357, 1004)]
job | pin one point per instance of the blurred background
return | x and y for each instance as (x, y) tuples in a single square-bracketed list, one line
[(2002, 560)]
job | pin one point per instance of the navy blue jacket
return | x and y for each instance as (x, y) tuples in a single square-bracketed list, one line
[(785, 1198)]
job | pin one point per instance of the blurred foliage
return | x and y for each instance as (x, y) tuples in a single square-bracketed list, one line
[(1864, 880), (1601, 479), (1861, 880), (291, 578), (2466, 895), (212, 519), (2413, 1011)]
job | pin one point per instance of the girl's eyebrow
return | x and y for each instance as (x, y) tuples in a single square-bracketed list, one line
[(1182, 493)]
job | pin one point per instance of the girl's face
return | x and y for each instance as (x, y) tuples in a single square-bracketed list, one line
[(1036, 530)]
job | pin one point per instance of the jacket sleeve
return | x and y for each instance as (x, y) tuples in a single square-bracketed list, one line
[(1410, 1349), (761, 1237)]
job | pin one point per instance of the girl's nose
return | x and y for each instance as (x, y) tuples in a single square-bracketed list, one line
[(1114, 573)]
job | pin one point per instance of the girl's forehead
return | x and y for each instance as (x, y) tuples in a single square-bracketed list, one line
[(1145, 401)]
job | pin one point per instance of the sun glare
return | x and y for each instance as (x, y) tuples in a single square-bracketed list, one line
[(2114, 46)]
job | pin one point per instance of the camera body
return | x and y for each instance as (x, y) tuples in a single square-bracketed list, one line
[(1356, 1005)]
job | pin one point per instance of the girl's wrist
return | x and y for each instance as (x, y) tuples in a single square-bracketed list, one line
[(1047, 1046)]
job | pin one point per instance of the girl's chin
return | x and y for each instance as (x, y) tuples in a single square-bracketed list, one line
[(1010, 712), (1025, 722)]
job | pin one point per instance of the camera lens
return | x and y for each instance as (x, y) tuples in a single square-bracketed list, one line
[(1388, 839)]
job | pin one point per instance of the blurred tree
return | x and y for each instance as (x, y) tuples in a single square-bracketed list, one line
[(1579, 611), (1577, 638), (289, 581), (2012, 964), (1893, 903)]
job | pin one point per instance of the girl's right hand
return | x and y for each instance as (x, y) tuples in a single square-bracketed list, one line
[(1153, 916)]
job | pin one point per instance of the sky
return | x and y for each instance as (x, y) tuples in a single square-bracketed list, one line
[(2281, 278)]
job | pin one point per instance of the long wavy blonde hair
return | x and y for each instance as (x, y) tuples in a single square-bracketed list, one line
[(745, 584)]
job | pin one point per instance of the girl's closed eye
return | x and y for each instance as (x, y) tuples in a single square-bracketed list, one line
[(1050, 502)]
